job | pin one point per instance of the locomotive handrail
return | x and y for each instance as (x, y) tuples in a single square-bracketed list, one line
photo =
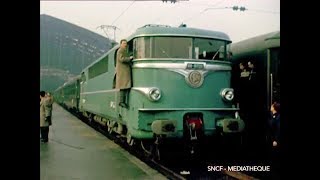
[(179, 59), (212, 67), (188, 109)]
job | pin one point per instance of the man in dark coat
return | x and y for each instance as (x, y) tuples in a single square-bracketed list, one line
[(275, 124), (275, 137), (123, 72)]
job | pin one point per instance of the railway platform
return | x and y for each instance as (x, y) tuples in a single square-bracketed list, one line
[(76, 151)]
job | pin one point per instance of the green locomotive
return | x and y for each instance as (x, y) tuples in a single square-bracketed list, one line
[(180, 88)]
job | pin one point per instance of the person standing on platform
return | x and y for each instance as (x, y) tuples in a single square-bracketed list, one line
[(45, 113), (49, 106)]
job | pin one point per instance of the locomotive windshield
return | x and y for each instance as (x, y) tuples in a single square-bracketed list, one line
[(209, 49), (179, 47)]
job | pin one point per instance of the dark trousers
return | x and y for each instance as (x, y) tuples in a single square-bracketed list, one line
[(44, 133)]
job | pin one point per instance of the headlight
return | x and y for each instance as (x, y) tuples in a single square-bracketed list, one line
[(227, 94), (154, 94)]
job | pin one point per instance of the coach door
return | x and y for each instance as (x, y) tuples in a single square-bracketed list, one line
[(274, 75)]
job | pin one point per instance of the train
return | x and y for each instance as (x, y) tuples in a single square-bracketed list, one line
[(256, 81), (68, 94), (181, 90)]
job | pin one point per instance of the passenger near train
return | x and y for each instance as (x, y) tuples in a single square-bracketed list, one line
[(256, 80)]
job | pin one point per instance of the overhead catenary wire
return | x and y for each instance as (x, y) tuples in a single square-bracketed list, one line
[(199, 13), (123, 12), (114, 27), (235, 8), (190, 3), (102, 27)]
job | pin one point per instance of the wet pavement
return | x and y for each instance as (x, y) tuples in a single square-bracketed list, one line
[(76, 151)]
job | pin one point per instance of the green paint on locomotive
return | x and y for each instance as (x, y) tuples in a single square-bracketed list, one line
[(97, 94), (188, 79)]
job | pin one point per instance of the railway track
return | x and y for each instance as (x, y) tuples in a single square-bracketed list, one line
[(175, 169)]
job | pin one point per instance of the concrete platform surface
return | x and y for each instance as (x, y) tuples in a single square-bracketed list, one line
[(75, 151)]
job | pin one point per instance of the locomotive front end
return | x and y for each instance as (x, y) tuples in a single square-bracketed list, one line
[(181, 86), (186, 98)]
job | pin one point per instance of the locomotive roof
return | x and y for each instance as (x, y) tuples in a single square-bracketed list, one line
[(163, 30), (257, 43)]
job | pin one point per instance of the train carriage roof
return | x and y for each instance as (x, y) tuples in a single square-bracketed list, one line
[(70, 82), (162, 30), (256, 44)]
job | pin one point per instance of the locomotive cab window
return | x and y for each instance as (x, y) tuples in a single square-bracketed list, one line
[(129, 50), (142, 47), (83, 78), (163, 47), (172, 47), (179, 47), (210, 49)]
